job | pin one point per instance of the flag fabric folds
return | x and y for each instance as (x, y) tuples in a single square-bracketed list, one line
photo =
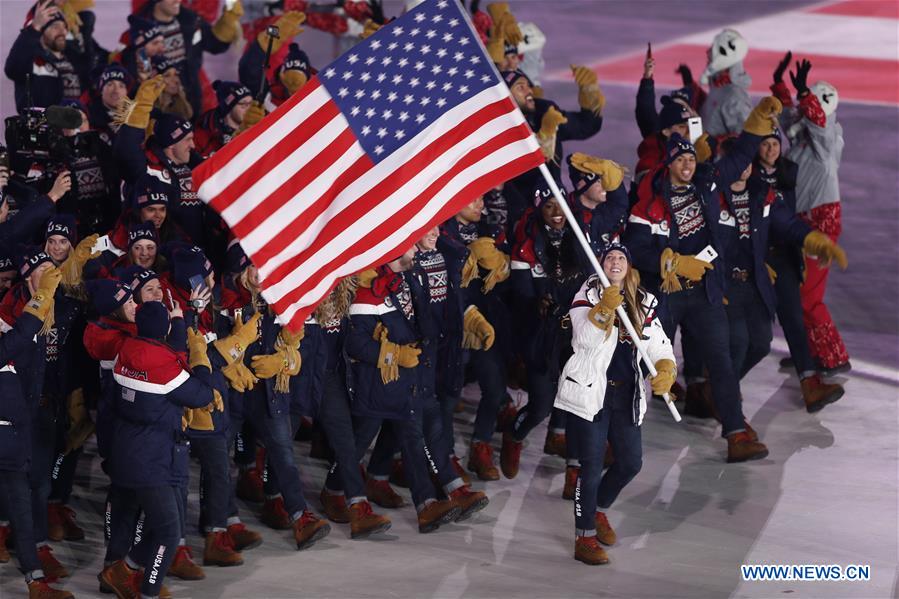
[(393, 137)]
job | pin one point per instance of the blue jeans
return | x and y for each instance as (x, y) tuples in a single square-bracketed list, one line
[(789, 309), (335, 418), (63, 473), (708, 324), (16, 501), (614, 423), (750, 325), (215, 481), (163, 524)]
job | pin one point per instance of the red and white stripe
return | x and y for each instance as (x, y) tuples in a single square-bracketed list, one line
[(310, 207)]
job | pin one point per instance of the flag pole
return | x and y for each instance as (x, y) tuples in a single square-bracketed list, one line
[(622, 314)]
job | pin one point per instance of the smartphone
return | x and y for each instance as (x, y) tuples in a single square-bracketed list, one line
[(648, 49), (708, 254), (695, 126), (197, 282), (229, 4), (101, 245)]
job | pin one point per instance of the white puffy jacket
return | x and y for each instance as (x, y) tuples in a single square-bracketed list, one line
[(582, 386)]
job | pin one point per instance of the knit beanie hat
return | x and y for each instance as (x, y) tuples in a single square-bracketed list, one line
[(63, 225), (108, 294), (152, 320)]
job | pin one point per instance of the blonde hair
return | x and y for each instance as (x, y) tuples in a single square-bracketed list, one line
[(336, 305)]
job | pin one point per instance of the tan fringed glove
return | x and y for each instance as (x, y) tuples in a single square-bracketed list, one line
[(200, 419), (589, 96), (763, 118), (196, 350), (137, 112), (41, 303), (549, 126), (265, 366), (674, 265), (70, 14), (668, 271), (477, 333), (498, 274), (72, 267), (388, 357), (288, 26), (818, 244), (186, 418), (227, 28), (772, 274), (666, 374), (602, 315), (293, 364), (610, 172), (366, 277), (253, 115), (293, 80), (470, 270), (369, 30), (703, 149), (489, 258), (242, 336), (239, 377)]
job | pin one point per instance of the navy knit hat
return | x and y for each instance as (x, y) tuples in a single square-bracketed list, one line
[(673, 113), (509, 49), (113, 72), (542, 193), (142, 31), (64, 225), (189, 263), (30, 259), (614, 246), (510, 77), (775, 134), (74, 103), (576, 175), (57, 16), (108, 294), (152, 320), (149, 191), (170, 129), (229, 93), (236, 258), (297, 60), (142, 231), (678, 146), (163, 64), (137, 276)]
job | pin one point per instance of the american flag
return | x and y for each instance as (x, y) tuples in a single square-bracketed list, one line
[(393, 137)]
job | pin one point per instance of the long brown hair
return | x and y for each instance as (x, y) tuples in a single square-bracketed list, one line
[(633, 299)]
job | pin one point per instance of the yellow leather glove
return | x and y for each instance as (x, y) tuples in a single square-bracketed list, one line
[(496, 43), (477, 333), (294, 362), (293, 80), (239, 376), (610, 172), (199, 419), (70, 14), (589, 96), (497, 10), (549, 126), (253, 115), (138, 113), (388, 357), (369, 30), (668, 271), (227, 28), (265, 366), (511, 30), (818, 244), (366, 277), (80, 424), (196, 350), (288, 26), (602, 315), (692, 268), (666, 374), (242, 336), (772, 274), (763, 118), (703, 149), (491, 259), (217, 402), (78, 257), (186, 417), (498, 274), (470, 270), (41, 302), (407, 355)]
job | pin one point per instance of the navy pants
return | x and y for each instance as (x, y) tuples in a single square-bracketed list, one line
[(63, 474), (163, 523), (541, 395), (491, 376), (789, 308), (15, 499), (335, 418), (708, 323), (750, 325), (43, 444), (123, 526), (614, 423), (215, 481)]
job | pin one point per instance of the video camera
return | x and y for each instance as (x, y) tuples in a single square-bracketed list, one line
[(36, 136)]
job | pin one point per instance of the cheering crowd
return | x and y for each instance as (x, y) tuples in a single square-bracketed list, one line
[(130, 311)]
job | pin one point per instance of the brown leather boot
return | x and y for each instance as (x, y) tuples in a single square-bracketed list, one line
[(469, 502), (334, 507), (40, 589), (571, 474), (437, 513), (308, 529), (381, 493), (364, 521), (555, 444), (249, 486), (243, 538), (816, 394), (114, 578), (754, 436), (274, 515), (64, 516), (55, 529), (5, 531), (506, 417), (53, 570), (510, 455), (588, 550), (604, 532), (459, 470), (184, 566), (219, 551), (480, 461), (741, 448)]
